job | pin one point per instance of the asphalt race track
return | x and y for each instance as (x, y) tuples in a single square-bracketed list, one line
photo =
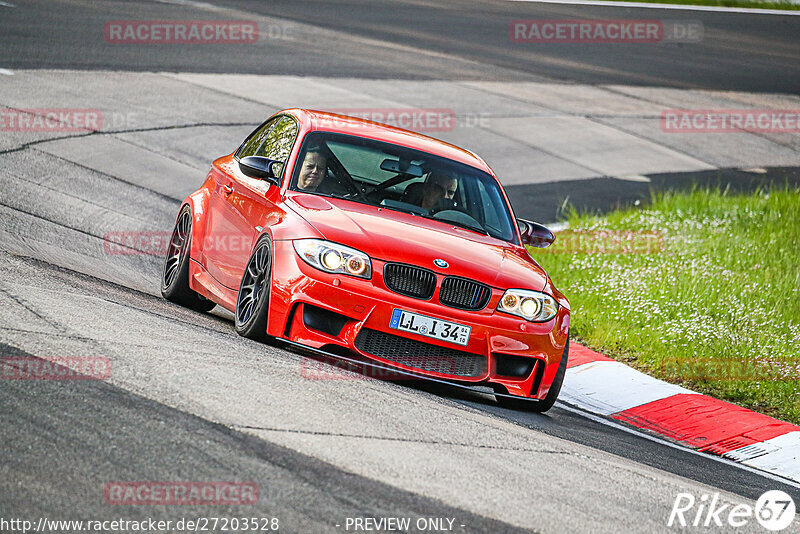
[(189, 400), (448, 39)]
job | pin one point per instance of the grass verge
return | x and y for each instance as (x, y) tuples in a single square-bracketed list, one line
[(700, 289)]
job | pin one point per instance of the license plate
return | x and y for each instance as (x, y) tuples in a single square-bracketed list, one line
[(430, 327)]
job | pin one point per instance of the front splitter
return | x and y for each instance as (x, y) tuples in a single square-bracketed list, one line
[(403, 372)]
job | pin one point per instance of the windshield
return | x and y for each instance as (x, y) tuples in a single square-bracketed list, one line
[(403, 179)]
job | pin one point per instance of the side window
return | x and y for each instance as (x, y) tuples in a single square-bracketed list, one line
[(252, 144), (278, 142)]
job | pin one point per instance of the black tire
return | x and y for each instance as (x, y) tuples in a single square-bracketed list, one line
[(252, 302), (551, 397), (175, 274)]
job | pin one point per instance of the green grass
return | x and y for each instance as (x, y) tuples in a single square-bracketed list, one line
[(727, 3), (716, 309)]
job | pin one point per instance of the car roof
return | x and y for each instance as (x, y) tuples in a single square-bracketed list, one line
[(334, 122)]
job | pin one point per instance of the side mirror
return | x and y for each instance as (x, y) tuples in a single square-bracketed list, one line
[(535, 234), (260, 167)]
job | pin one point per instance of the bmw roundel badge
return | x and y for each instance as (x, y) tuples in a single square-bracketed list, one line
[(441, 263)]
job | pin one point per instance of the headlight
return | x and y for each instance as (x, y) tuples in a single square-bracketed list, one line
[(531, 305), (333, 258)]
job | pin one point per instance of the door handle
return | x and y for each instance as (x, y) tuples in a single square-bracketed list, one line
[(227, 189)]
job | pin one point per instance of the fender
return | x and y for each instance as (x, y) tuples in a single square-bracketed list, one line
[(558, 339), (198, 202)]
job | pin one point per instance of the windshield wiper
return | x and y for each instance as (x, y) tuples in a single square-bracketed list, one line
[(476, 229)]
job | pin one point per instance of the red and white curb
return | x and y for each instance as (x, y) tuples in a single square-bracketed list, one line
[(606, 387)]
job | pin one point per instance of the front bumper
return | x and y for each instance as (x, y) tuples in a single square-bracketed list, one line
[(356, 314)]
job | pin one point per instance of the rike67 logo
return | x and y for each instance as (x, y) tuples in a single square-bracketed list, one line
[(774, 510)]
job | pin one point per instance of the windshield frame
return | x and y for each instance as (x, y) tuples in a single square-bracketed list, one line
[(317, 137)]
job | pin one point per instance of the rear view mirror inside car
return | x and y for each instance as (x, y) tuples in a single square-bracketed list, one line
[(401, 167)]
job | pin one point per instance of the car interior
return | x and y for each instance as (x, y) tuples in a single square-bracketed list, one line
[(395, 177)]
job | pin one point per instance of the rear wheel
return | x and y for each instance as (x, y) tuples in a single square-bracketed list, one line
[(550, 399), (252, 302), (175, 275)]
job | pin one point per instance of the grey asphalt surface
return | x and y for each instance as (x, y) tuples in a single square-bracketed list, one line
[(751, 53), (190, 400), (79, 436), (737, 52)]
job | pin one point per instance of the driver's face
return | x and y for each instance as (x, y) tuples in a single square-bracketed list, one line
[(448, 188), (312, 172), (438, 188)]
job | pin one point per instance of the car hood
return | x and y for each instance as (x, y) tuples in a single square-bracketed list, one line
[(395, 236)]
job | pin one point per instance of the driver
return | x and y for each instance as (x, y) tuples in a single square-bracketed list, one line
[(313, 170), (436, 192)]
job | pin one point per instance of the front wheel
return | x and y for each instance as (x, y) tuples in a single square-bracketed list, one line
[(252, 302), (550, 399), (175, 275)]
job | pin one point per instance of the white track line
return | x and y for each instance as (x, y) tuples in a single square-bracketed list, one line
[(683, 7), (661, 441)]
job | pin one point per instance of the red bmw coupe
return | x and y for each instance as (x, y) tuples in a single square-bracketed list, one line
[(342, 234)]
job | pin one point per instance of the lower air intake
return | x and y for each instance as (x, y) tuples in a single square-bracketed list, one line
[(421, 355)]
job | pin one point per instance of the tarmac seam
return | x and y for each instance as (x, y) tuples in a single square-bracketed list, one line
[(112, 177), (403, 440), (30, 309), (30, 144), (63, 225), (119, 287), (66, 194)]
